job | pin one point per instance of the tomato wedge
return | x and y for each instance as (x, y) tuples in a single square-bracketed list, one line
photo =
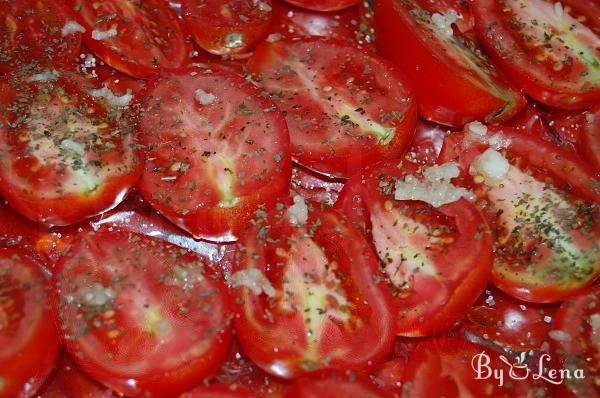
[(575, 343), (29, 341), (304, 284), (336, 384), (216, 149), (437, 261), (511, 324), (447, 68), (553, 56), (66, 155), (344, 107), (227, 27), (36, 29), (446, 367), (119, 291), (134, 37), (541, 201), (324, 5)]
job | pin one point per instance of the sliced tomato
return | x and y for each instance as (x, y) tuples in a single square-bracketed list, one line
[(29, 340), (344, 107), (354, 24), (66, 155), (314, 186), (446, 367), (543, 210), (546, 50), (134, 37), (590, 138), (426, 144), (227, 27), (118, 291), (511, 324), (16, 230), (219, 391), (437, 261), (447, 68), (575, 342), (336, 384), (304, 285), (324, 5), (36, 29), (216, 150)]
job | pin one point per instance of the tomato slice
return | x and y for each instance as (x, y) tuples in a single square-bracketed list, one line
[(134, 37), (36, 29), (314, 186), (216, 149), (590, 139), (227, 27), (344, 107), (354, 25), (542, 208), (437, 261), (546, 50), (511, 324), (29, 341), (304, 287), (426, 144), (219, 391), (336, 384), (119, 291), (575, 343), (324, 5), (447, 68), (66, 155), (444, 368)]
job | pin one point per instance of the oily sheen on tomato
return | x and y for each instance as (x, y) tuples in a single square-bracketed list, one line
[(29, 341), (216, 150), (336, 384), (545, 48), (324, 5), (344, 107), (437, 257), (219, 391), (227, 27), (306, 298), (66, 154), (575, 344), (140, 315), (454, 80), (36, 29), (134, 37), (542, 205)]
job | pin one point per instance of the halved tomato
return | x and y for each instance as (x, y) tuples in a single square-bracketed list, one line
[(344, 107), (29, 340), (546, 50), (37, 29), (542, 203), (575, 341), (304, 284), (216, 150), (447, 367), (455, 81), (336, 384), (135, 37), (66, 155), (227, 27), (511, 324), (437, 260), (324, 5), (118, 292)]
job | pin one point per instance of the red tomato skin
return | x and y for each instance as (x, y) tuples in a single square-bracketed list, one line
[(314, 186), (126, 63), (590, 138), (443, 94), (219, 391), (212, 222), (282, 350), (325, 5), (491, 32), (25, 371), (211, 32), (336, 384), (573, 319)]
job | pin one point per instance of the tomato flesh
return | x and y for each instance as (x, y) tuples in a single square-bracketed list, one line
[(344, 108), (335, 384), (324, 5)]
